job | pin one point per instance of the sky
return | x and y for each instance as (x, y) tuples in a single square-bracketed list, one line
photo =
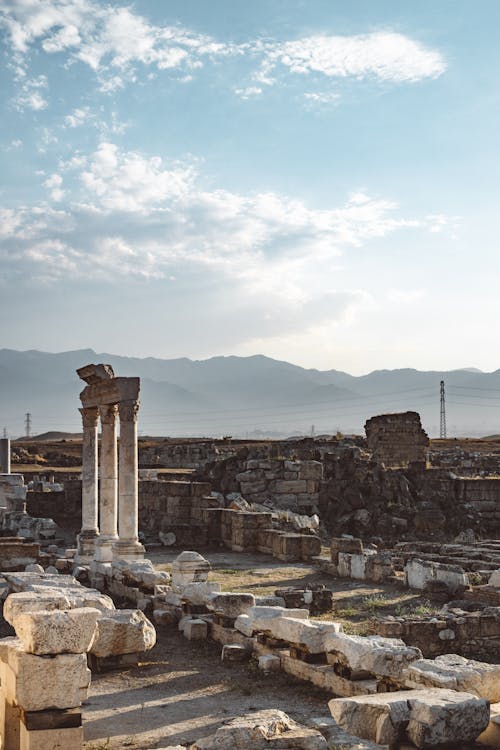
[(313, 180)]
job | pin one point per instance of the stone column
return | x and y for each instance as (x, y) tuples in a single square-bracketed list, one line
[(128, 545), (90, 528), (109, 485)]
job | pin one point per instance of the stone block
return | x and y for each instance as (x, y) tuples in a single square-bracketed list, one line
[(235, 652), (231, 604), (263, 730), (37, 683), (430, 717), (383, 657), (51, 739), (196, 630), (290, 487), (309, 635), (57, 631), (269, 663), (311, 546), (189, 567), (457, 673), (124, 631), (29, 601), (261, 618), (199, 593)]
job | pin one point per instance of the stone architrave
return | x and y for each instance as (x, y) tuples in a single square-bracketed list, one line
[(90, 530), (128, 545), (109, 485)]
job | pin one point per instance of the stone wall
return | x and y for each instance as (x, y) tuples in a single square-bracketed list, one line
[(475, 635), (186, 455), (397, 439)]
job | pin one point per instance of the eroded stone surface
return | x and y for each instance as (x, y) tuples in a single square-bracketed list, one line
[(263, 730), (124, 631), (457, 673), (385, 657), (231, 605), (40, 682), (430, 717), (261, 618), (58, 631), (29, 601)]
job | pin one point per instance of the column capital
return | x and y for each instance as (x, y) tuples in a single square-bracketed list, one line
[(108, 413), (128, 410), (90, 416)]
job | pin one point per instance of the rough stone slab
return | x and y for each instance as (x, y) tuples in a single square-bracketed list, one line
[(231, 604), (384, 657), (38, 683), (430, 717), (457, 673), (263, 730), (123, 631), (51, 739), (189, 567), (234, 652), (58, 631), (199, 592), (29, 601), (306, 633), (260, 618), (491, 735), (269, 663), (338, 739)]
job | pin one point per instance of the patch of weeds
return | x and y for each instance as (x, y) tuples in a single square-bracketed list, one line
[(346, 612), (425, 608), (229, 572), (356, 628), (375, 601)]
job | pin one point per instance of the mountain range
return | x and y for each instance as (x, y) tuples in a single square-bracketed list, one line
[(244, 396)]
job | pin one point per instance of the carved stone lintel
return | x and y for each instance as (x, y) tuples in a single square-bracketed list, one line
[(108, 414), (128, 411), (90, 416)]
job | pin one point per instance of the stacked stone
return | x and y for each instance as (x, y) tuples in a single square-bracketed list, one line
[(349, 559), (397, 439), (175, 507), (293, 485), (43, 672)]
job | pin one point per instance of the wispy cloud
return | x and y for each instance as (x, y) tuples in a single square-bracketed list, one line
[(31, 94)]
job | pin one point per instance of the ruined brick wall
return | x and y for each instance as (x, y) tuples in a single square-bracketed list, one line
[(397, 439), (179, 455), (65, 507), (177, 508), (475, 635)]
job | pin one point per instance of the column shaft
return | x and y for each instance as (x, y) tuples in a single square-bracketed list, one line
[(109, 482), (89, 531), (128, 495)]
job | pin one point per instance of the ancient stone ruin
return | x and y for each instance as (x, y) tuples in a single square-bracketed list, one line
[(397, 440)]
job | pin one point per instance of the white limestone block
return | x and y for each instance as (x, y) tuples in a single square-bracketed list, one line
[(305, 633), (29, 601), (123, 631), (384, 657), (34, 568), (51, 739), (260, 618), (431, 717), (457, 673), (269, 663), (58, 631), (189, 567), (494, 579), (263, 730), (199, 593), (37, 683)]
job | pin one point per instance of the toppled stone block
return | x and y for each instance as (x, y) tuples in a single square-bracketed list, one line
[(140, 573), (258, 619), (429, 717), (57, 631), (195, 630), (494, 579), (231, 604), (418, 572), (383, 657), (457, 673), (310, 636), (351, 545), (199, 593), (124, 631), (38, 683), (263, 730), (189, 567)]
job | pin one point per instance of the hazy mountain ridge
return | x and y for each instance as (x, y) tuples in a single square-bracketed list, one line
[(238, 395)]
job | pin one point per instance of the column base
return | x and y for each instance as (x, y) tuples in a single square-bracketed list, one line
[(86, 542), (104, 548), (128, 549)]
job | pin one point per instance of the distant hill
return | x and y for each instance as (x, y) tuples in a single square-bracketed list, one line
[(243, 395)]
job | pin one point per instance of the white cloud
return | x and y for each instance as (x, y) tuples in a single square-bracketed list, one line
[(384, 55), (53, 183), (110, 39), (115, 42), (321, 97), (30, 94), (78, 117)]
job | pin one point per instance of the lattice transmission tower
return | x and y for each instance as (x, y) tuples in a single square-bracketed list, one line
[(27, 424), (442, 412)]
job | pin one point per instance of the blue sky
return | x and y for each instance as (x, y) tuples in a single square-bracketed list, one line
[(309, 179)]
